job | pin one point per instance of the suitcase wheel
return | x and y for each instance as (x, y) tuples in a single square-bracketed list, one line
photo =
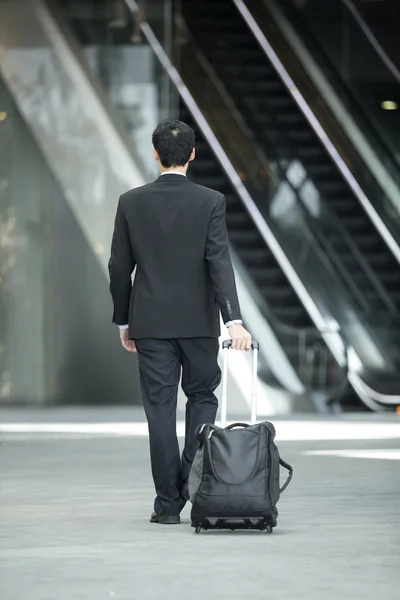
[(198, 529), (265, 527), (268, 529)]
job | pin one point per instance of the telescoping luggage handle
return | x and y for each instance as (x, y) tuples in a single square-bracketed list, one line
[(224, 399)]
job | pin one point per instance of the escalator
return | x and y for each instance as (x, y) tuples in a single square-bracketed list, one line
[(286, 136), (327, 196), (291, 323)]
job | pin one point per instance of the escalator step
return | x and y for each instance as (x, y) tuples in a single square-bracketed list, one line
[(344, 205), (258, 88), (290, 119), (233, 202), (361, 238), (395, 295), (378, 260), (322, 170), (248, 72), (307, 152), (333, 186), (303, 136), (204, 165), (373, 299), (221, 52), (240, 40), (359, 223), (220, 10), (278, 295), (389, 279), (259, 106), (253, 256), (348, 259), (267, 276), (207, 26), (282, 103), (249, 239), (239, 219), (367, 241)]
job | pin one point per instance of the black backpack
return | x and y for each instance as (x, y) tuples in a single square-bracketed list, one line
[(234, 480)]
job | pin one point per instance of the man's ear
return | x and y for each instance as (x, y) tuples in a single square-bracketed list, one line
[(155, 155), (193, 155)]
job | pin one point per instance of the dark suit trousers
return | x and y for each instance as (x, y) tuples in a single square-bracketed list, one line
[(161, 363)]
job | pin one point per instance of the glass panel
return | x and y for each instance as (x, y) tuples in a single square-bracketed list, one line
[(57, 342), (24, 247), (89, 154), (118, 55)]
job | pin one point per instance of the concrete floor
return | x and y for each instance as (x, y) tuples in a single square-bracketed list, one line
[(75, 508)]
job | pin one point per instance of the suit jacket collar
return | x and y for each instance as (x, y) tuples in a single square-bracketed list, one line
[(173, 177)]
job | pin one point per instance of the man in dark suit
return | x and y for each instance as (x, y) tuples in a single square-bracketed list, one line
[(173, 233)]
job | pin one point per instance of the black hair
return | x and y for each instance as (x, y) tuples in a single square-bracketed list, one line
[(174, 141)]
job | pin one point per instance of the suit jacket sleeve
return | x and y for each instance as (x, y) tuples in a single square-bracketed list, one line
[(120, 267), (220, 264)]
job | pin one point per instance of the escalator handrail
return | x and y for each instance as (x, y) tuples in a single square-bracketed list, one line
[(351, 180)]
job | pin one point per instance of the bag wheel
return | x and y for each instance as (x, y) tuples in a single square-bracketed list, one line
[(198, 529), (268, 529)]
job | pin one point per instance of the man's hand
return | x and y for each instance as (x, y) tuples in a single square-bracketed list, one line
[(241, 339), (128, 344)]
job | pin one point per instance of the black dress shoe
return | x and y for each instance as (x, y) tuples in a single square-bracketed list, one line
[(164, 520)]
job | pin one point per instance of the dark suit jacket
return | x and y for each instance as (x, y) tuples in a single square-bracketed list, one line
[(174, 232)]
